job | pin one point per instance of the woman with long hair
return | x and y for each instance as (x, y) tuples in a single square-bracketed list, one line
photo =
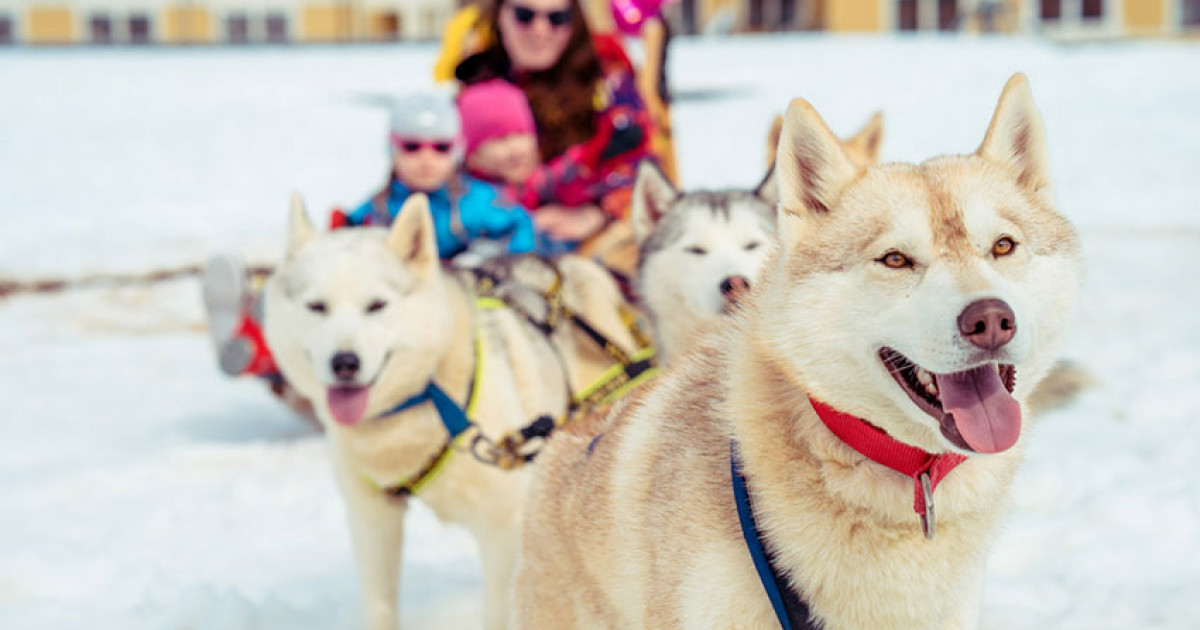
[(592, 126)]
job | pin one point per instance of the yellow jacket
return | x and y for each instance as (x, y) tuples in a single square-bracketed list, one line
[(465, 34)]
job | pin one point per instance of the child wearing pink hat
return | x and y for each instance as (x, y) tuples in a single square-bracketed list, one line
[(499, 132), (500, 135)]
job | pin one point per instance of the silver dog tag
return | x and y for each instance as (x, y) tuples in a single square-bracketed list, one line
[(928, 522)]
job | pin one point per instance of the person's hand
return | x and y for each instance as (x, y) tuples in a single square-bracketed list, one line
[(569, 224)]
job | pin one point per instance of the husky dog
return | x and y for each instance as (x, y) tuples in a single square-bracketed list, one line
[(878, 368), (699, 251), (387, 344)]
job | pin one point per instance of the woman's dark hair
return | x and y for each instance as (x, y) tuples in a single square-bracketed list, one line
[(561, 96)]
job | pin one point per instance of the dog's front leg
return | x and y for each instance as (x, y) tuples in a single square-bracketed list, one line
[(377, 532), (498, 553)]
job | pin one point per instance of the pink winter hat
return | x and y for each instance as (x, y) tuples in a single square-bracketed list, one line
[(493, 109)]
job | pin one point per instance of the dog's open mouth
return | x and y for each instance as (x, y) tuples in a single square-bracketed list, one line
[(974, 408), (347, 404)]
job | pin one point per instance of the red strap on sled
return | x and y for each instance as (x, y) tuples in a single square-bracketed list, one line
[(877, 445)]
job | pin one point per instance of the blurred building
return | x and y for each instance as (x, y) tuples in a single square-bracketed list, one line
[(106, 22), (1058, 18)]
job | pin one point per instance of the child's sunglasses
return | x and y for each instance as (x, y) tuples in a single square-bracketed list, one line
[(525, 16), (410, 145)]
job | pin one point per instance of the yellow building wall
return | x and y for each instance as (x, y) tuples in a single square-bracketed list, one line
[(188, 24), (327, 23), (1145, 16), (50, 25), (846, 16)]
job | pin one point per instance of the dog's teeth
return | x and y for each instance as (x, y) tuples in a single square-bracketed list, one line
[(924, 377), (931, 389)]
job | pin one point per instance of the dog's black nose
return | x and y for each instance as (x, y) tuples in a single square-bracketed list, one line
[(988, 323), (345, 365), (734, 287)]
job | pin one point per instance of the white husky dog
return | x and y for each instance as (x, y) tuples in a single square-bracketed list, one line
[(395, 352)]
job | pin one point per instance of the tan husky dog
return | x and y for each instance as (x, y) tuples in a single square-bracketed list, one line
[(915, 305), (362, 320)]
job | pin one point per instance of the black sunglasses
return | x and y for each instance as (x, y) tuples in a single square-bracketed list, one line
[(525, 16)]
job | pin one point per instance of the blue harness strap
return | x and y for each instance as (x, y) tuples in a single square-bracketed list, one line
[(453, 417), (791, 611)]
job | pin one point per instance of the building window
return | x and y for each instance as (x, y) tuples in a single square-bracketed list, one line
[(1093, 9), (906, 15), (100, 29), (1189, 13), (755, 18), (139, 28), (688, 11), (947, 15), (1051, 10), (277, 32), (787, 13), (237, 28), (387, 26), (8, 33)]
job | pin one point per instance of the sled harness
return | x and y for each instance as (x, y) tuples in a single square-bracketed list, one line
[(790, 609), (925, 469), (519, 447), (628, 370)]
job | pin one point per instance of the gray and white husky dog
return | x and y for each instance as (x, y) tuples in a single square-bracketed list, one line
[(698, 253)]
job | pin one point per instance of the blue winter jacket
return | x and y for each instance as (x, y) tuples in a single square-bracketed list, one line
[(481, 213)]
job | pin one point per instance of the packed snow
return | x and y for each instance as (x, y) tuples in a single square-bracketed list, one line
[(141, 489)]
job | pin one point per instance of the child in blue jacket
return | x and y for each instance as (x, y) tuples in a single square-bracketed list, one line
[(426, 146)]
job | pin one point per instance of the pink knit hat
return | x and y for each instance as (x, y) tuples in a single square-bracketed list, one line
[(493, 109)]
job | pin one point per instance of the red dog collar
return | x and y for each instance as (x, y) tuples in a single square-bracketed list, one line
[(925, 469)]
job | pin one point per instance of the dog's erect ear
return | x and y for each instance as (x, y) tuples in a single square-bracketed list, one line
[(810, 166), (300, 229), (864, 146), (773, 139), (1015, 136), (768, 188), (412, 238), (653, 195)]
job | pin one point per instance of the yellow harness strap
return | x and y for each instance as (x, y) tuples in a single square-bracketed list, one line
[(427, 474)]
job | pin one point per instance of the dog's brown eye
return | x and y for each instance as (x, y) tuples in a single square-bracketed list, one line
[(699, 251), (752, 246), (376, 305), (317, 307), (896, 260), (1003, 247)]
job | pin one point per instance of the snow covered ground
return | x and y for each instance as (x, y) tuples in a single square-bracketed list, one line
[(140, 489)]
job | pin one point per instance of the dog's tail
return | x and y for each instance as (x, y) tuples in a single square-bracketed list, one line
[(1060, 387)]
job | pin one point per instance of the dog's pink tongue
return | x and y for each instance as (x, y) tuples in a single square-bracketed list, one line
[(986, 416), (347, 404)]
